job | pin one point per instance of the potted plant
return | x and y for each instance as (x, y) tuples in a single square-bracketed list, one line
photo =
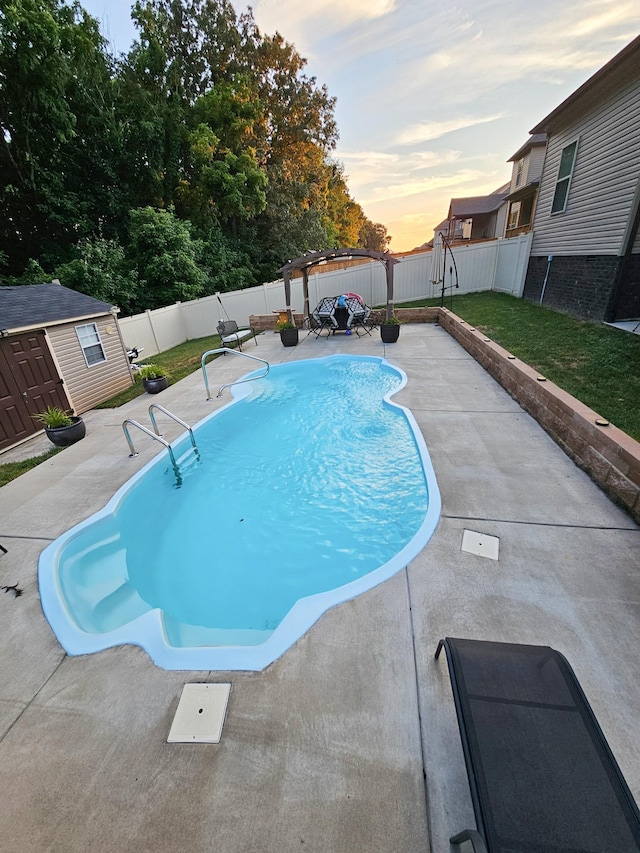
[(62, 429), (288, 333), (390, 329), (154, 378)]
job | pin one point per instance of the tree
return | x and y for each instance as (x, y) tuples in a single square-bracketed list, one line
[(58, 142), (222, 181), (100, 269), (165, 258), (373, 235)]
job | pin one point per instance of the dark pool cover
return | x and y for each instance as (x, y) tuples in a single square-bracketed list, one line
[(542, 776)]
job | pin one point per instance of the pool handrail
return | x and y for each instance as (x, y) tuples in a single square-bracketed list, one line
[(238, 381), (176, 419), (155, 437)]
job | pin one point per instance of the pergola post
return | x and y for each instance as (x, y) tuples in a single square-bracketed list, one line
[(305, 292), (306, 262), (389, 271), (287, 294)]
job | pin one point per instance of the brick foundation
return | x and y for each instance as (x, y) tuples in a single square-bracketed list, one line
[(580, 285), (629, 299)]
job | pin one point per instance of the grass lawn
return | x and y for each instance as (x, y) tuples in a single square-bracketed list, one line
[(179, 361), (597, 364), (10, 470)]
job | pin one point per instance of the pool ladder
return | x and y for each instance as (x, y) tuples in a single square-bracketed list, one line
[(156, 435), (225, 350)]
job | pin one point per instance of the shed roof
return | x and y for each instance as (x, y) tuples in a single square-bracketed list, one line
[(462, 208), (29, 305), (618, 72)]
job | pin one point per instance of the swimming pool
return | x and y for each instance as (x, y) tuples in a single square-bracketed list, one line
[(312, 487)]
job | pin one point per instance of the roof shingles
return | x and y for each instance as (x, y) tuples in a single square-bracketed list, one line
[(25, 306)]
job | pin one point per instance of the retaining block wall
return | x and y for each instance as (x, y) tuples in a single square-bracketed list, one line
[(608, 455)]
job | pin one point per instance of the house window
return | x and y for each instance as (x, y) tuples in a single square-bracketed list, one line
[(567, 161), (91, 344), (514, 214), (519, 171)]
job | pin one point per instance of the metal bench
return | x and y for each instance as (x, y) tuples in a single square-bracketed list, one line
[(231, 334), (541, 774)]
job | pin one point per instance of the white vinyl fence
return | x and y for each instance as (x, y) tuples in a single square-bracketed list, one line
[(494, 265)]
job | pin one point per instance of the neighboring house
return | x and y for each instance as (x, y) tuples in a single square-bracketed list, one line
[(57, 348), (585, 254), (523, 190), (479, 217)]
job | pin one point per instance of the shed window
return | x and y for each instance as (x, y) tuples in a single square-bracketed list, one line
[(567, 161), (91, 344)]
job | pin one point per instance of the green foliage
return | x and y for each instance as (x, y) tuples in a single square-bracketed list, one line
[(32, 274), (165, 257), (373, 235), (281, 325), (392, 320), (197, 161), (152, 371), (178, 362), (53, 417), (597, 364), (59, 147), (12, 470), (226, 261), (101, 270)]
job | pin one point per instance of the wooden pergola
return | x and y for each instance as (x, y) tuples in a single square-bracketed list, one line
[(312, 259)]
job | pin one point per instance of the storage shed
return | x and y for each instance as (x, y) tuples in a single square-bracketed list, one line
[(60, 348)]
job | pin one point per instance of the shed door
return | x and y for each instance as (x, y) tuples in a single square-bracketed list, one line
[(29, 382)]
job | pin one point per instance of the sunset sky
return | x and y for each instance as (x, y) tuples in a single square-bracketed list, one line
[(432, 99)]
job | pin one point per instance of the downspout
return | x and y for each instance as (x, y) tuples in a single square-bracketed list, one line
[(546, 278)]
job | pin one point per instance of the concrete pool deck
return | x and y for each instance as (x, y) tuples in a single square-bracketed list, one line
[(348, 741)]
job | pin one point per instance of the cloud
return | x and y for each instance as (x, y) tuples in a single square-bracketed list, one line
[(367, 168), (429, 130), (304, 23), (468, 179)]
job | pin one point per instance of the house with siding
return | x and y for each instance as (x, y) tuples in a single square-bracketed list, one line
[(523, 190), (585, 253), (58, 348), (479, 217)]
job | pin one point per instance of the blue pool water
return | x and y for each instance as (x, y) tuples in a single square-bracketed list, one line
[(312, 486)]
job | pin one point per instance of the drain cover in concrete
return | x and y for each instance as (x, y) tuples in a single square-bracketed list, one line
[(200, 714), (480, 544)]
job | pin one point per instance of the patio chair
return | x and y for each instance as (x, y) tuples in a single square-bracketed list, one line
[(541, 774), (231, 334), (358, 315), (324, 316)]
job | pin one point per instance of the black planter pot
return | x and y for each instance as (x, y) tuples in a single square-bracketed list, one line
[(389, 332), (155, 386), (289, 337), (65, 435)]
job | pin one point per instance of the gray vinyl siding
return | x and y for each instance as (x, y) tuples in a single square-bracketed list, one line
[(88, 386), (514, 174), (603, 184), (536, 162)]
